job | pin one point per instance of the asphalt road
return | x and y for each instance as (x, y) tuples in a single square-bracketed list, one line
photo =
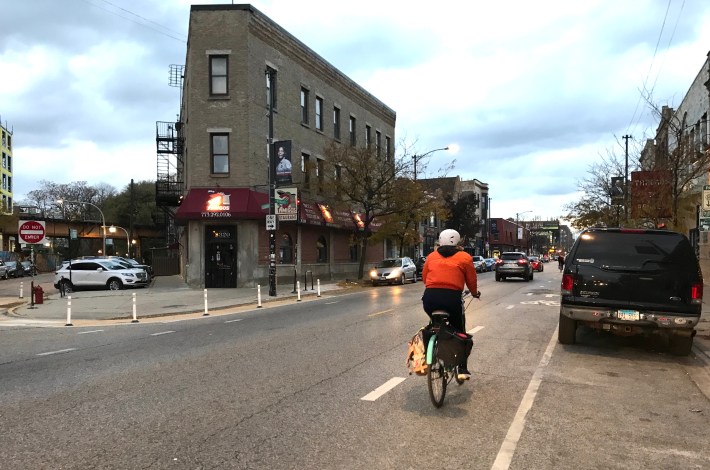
[(283, 387)]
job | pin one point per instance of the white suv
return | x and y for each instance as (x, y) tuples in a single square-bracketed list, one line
[(98, 273)]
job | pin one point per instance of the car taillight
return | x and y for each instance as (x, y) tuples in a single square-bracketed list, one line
[(567, 283), (522, 261), (499, 261), (696, 293)]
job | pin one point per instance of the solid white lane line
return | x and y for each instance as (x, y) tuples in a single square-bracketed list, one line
[(87, 332), (232, 321), (384, 388), (475, 330), (162, 333), (507, 448), (56, 352), (509, 307)]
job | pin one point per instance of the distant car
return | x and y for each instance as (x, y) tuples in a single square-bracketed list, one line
[(14, 269), (28, 268), (479, 263), (536, 263), (513, 264), (394, 270), (490, 264), (98, 273), (3, 270)]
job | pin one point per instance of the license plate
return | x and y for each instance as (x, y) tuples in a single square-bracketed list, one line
[(629, 315)]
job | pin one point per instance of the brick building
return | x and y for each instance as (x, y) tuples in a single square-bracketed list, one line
[(238, 61)]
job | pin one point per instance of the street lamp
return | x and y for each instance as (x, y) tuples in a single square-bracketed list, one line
[(517, 226), (103, 220), (416, 158), (113, 228)]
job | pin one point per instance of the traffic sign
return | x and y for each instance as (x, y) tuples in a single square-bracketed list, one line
[(706, 197), (271, 222), (31, 231)]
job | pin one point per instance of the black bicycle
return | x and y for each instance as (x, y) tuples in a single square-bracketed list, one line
[(445, 349)]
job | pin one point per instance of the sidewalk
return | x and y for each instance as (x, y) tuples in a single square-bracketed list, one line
[(168, 295)]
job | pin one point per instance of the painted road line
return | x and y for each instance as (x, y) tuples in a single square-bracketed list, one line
[(232, 321), (331, 303), (475, 330), (162, 333), (509, 307), (87, 332), (379, 313), (384, 388), (529, 293), (56, 352), (510, 443)]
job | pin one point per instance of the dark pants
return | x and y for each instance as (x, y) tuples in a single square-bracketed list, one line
[(448, 300)]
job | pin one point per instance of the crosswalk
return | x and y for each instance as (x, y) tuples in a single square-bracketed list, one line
[(28, 322)]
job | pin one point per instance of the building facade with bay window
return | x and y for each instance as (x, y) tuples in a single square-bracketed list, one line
[(238, 62)]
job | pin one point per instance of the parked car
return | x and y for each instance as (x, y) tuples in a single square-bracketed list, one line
[(127, 262), (419, 263), (490, 264), (3, 270), (632, 282), (394, 270), (14, 269), (28, 268), (513, 264), (536, 263), (479, 263), (98, 273)]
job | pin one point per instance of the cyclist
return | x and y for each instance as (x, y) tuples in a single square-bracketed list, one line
[(445, 272)]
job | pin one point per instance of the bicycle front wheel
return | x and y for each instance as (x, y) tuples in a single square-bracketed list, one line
[(436, 380)]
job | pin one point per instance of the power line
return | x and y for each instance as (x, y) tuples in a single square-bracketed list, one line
[(181, 39)]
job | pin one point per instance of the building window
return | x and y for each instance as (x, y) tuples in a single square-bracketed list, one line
[(4, 182), (353, 139), (338, 172), (322, 248), (9, 163), (378, 143), (336, 123), (354, 253), (9, 183), (305, 163), (319, 113), (218, 75), (4, 160), (286, 249), (9, 142), (220, 153), (368, 136), (271, 88), (319, 174), (388, 148), (304, 106)]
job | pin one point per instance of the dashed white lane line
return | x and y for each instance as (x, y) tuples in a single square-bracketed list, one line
[(384, 388), (87, 332), (510, 443), (56, 352), (475, 330), (162, 333), (509, 307), (232, 321), (331, 303)]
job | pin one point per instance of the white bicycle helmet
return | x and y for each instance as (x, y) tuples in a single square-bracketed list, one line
[(449, 237)]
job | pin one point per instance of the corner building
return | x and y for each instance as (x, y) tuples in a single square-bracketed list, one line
[(237, 61)]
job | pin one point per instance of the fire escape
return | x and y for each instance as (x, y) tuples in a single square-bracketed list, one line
[(170, 180)]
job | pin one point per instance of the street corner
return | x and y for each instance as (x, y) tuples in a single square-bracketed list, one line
[(9, 306)]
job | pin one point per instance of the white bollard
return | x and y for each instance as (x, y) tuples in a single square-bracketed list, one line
[(206, 313), (258, 296), (318, 287), (68, 311), (135, 317), (298, 289), (21, 289)]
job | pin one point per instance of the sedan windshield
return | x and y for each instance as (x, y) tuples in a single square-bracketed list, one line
[(389, 263)]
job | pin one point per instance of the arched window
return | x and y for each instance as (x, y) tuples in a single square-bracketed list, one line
[(286, 249), (322, 248)]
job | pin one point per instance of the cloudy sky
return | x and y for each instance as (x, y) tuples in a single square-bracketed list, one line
[(532, 93)]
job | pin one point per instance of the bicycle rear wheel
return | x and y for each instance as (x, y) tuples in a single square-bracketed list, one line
[(436, 380)]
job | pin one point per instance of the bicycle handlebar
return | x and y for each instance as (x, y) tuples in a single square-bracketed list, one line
[(468, 292)]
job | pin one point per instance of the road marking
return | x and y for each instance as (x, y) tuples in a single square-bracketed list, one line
[(384, 388), (331, 303), (379, 313), (162, 333), (529, 293), (56, 352), (475, 330), (87, 332), (507, 448), (232, 321), (551, 303), (509, 307)]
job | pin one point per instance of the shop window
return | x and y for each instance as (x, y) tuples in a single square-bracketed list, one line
[(322, 248), (286, 249)]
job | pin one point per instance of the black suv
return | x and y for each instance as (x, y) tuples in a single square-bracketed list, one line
[(630, 282)]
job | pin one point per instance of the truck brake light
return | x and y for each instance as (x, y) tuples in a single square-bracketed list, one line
[(567, 283)]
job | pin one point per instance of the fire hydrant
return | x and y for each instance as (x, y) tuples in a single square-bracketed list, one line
[(39, 295)]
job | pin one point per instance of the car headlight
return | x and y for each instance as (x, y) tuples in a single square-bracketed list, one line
[(395, 272), (127, 274), (373, 273)]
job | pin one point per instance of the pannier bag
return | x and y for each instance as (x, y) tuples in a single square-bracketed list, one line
[(416, 354), (453, 347)]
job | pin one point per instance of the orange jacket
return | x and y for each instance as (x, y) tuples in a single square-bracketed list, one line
[(450, 272)]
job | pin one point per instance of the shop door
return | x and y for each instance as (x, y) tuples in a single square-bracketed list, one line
[(220, 257)]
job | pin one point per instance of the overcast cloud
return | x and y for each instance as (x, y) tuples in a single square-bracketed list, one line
[(531, 92)]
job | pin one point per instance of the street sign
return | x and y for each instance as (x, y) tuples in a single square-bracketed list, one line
[(271, 222), (706, 197), (31, 231)]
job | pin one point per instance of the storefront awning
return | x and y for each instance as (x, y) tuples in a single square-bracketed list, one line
[(221, 203)]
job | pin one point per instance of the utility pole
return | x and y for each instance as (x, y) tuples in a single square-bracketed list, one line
[(270, 74), (626, 179)]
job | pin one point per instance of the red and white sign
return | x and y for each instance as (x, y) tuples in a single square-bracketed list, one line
[(31, 231)]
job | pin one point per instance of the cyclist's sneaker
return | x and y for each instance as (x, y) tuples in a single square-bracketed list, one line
[(462, 373)]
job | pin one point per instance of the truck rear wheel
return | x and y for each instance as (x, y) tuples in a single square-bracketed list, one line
[(680, 345), (567, 332)]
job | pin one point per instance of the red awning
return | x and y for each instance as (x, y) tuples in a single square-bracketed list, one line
[(221, 203)]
